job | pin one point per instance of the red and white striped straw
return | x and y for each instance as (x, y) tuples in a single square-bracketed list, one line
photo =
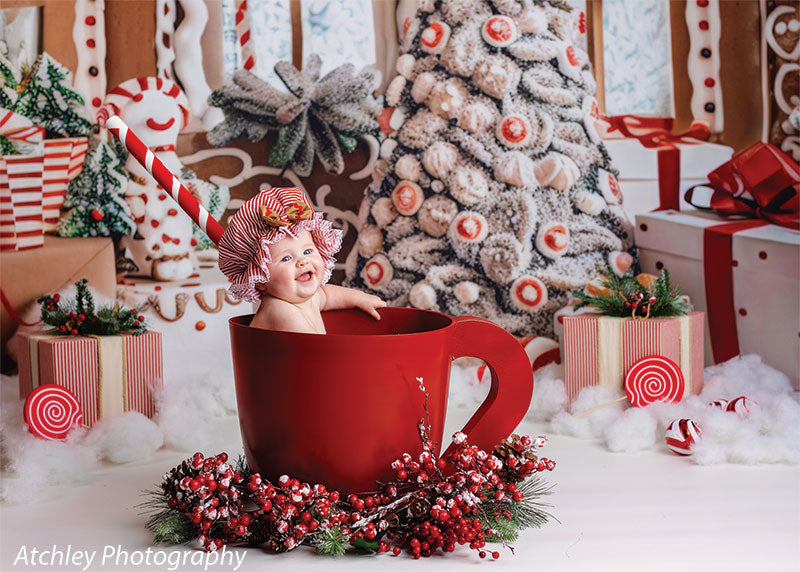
[(165, 178)]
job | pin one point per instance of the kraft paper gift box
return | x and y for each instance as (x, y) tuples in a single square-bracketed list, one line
[(109, 375), (28, 274), (599, 350), (753, 283)]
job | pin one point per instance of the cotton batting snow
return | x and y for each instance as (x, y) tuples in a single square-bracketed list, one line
[(770, 433)]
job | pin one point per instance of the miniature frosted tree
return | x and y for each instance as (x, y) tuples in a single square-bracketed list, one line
[(95, 198), (494, 196), (47, 98)]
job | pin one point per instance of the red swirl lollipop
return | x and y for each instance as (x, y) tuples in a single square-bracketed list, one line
[(51, 411), (653, 379)]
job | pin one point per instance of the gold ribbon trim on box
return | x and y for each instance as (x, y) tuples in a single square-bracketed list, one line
[(112, 372), (610, 356)]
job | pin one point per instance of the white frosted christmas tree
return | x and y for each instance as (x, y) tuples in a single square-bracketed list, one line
[(494, 196)]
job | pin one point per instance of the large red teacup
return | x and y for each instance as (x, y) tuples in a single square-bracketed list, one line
[(338, 409)]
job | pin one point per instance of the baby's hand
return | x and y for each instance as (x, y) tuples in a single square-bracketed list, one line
[(370, 304)]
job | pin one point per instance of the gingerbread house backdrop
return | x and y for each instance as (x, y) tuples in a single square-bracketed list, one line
[(731, 64)]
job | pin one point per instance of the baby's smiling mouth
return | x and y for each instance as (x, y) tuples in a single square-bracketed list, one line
[(305, 276)]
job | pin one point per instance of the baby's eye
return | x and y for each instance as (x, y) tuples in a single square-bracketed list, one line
[(308, 251), (286, 258)]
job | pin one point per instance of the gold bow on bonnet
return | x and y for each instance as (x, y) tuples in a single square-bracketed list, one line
[(284, 206)]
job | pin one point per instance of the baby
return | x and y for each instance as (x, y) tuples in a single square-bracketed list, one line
[(278, 251)]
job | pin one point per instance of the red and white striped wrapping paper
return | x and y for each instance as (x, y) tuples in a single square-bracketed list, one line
[(109, 375), (25, 183), (57, 153), (599, 350), (8, 237), (80, 145)]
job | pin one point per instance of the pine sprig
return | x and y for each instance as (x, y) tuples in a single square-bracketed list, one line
[(507, 520), (332, 542), (636, 297), (79, 317)]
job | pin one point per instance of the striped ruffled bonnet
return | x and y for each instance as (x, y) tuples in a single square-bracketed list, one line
[(270, 216)]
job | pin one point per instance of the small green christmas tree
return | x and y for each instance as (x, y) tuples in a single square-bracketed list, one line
[(632, 296), (96, 197), (8, 80), (47, 98)]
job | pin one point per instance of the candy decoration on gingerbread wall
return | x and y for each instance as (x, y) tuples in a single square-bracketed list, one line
[(781, 57), (705, 27), (189, 63), (165, 26), (89, 36), (243, 34), (51, 412), (158, 110)]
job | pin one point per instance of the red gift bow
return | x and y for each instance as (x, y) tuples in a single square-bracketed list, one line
[(760, 181), (653, 132), (656, 132)]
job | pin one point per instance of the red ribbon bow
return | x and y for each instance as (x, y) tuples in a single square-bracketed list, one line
[(760, 181), (654, 132)]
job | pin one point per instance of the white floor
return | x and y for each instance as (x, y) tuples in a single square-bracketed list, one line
[(644, 512)]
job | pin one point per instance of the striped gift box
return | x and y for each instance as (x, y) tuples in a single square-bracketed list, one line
[(25, 183), (80, 145), (8, 236), (57, 153), (599, 350), (109, 375)]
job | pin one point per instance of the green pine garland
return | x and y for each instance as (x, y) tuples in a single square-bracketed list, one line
[(630, 298), (79, 317)]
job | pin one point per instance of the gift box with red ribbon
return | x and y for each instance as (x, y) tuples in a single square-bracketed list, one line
[(109, 375), (33, 185), (743, 272), (656, 166)]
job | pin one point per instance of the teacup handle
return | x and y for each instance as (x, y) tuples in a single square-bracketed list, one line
[(505, 407)]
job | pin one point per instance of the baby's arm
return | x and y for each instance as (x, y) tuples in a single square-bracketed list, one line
[(340, 298)]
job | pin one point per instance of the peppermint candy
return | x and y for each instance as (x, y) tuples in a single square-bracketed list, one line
[(468, 227), (681, 435), (434, 38), (52, 411), (619, 262), (377, 272), (653, 379), (499, 31), (513, 131), (407, 197), (568, 62), (552, 239), (528, 293), (609, 186)]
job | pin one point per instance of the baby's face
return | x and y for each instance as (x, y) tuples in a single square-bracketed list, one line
[(296, 270)]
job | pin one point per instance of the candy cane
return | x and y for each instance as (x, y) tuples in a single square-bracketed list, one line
[(165, 178), (243, 33)]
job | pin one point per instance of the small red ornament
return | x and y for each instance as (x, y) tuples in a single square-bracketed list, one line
[(97, 214)]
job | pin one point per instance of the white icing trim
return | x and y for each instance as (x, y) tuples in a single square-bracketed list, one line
[(700, 68), (189, 63), (783, 105), (165, 26), (90, 87), (791, 145), (765, 107), (374, 148), (769, 32), (247, 172)]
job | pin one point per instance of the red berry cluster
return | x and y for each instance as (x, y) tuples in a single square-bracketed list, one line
[(433, 503), (210, 499), (293, 510)]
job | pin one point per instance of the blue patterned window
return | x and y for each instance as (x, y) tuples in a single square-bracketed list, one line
[(637, 57), (339, 31)]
